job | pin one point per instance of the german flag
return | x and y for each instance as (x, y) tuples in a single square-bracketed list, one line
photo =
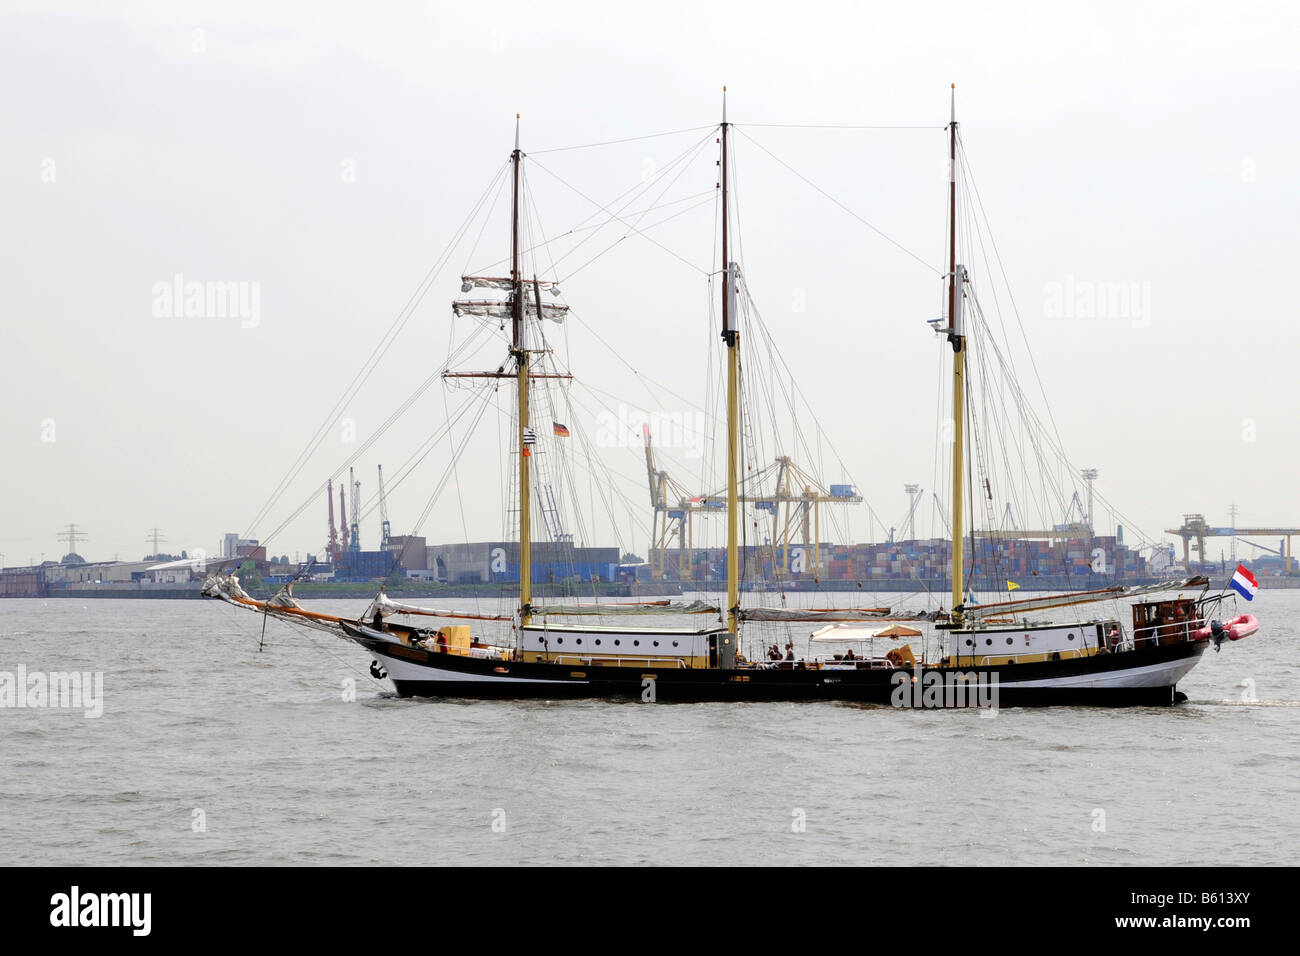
[(560, 430)]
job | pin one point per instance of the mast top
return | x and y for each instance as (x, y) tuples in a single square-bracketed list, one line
[(516, 132), (724, 104)]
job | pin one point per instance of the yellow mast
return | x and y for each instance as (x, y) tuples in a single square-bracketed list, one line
[(958, 385), (521, 359), (731, 336), (733, 457), (525, 519), (957, 337)]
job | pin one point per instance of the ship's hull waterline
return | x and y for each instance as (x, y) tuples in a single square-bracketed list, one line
[(1139, 677)]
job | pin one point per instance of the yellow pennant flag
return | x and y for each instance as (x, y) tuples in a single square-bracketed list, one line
[(1012, 585)]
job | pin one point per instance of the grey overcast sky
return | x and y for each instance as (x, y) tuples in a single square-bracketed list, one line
[(323, 154)]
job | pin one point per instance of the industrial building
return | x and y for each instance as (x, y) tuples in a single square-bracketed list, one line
[(498, 562), (53, 576), (409, 551)]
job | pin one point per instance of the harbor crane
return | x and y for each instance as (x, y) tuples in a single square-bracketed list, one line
[(355, 544), (1280, 550), (1195, 526), (1078, 521), (913, 495), (333, 547), (343, 518), (1066, 532), (385, 528), (670, 517), (794, 504)]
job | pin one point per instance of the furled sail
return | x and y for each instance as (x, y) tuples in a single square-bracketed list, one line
[(225, 587), (975, 612), (284, 598), (642, 607), (506, 285), (385, 606), (496, 309), (282, 605), (813, 614)]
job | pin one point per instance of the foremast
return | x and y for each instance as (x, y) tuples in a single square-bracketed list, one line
[(519, 350), (731, 336), (957, 338)]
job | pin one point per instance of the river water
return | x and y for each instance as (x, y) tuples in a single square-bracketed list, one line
[(209, 752)]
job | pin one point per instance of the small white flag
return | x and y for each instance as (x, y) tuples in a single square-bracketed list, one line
[(530, 437)]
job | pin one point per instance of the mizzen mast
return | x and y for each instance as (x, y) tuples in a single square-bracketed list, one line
[(957, 337), (731, 335)]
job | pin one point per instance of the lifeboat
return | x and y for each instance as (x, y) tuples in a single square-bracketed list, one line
[(1243, 625)]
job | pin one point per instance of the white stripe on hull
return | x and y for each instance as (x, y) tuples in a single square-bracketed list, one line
[(1166, 674), (404, 670)]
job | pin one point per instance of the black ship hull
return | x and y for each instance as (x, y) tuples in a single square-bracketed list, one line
[(1138, 677)]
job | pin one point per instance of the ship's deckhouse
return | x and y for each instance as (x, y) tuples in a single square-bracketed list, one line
[(661, 647), (988, 646)]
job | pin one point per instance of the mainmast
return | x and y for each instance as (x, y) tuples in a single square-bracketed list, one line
[(957, 337), (520, 351), (731, 335)]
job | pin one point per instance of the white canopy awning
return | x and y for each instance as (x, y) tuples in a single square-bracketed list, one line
[(853, 632)]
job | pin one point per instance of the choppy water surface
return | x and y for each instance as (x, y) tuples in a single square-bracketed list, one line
[(265, 751)]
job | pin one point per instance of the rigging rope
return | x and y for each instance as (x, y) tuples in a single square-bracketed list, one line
[(615, 216), (370, 364), (628, 139), (841, 205)]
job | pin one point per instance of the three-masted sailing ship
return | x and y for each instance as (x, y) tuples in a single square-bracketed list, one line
[(990, 653)]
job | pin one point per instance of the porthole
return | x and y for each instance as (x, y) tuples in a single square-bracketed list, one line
[(1071, 637), (559, 640), (579, 640), (1008, 640), (969, 642), (636, 643), (674, 643), (598, 642), (656, 643), (617, 642), (988, 641)]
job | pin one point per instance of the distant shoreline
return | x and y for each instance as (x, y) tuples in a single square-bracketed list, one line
[(659, 589)]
